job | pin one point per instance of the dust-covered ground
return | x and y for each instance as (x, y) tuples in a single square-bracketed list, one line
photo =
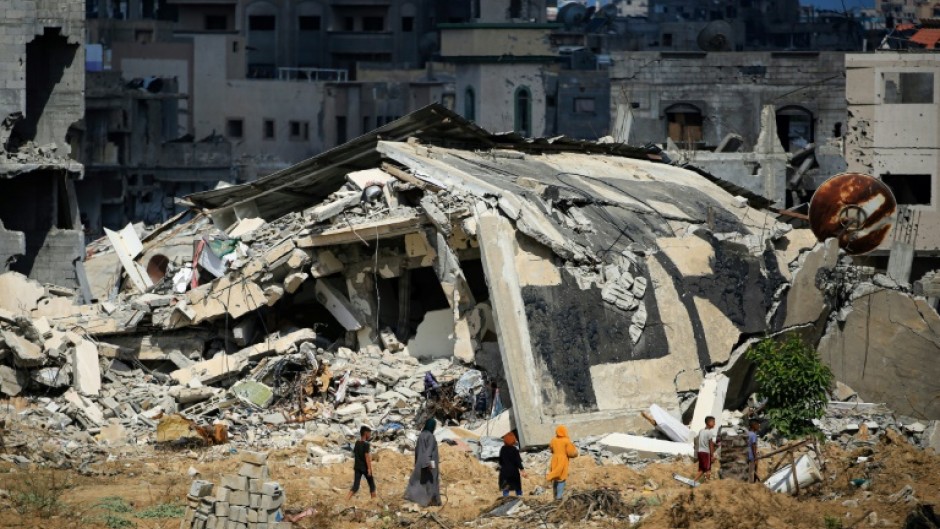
[(147, 488)]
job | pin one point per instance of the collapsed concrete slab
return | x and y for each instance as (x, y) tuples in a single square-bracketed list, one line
[(886, 350), (619, 443), (19, 294), (710, 401)]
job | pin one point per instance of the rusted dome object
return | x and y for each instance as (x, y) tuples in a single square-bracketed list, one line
[(857, 209)]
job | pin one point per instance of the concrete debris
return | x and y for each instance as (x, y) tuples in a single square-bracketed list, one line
[(613, 285), (644, 446)]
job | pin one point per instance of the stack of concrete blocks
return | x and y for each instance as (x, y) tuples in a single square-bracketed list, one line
[(242, 501), (733, 454)]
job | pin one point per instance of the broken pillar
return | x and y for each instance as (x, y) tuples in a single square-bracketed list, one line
[(710, 401), (362, 298), (900, 261)]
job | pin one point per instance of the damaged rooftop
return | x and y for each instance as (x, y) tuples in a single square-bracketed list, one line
[(588, 280)]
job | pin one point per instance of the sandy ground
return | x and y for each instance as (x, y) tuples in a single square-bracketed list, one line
[(155, 478)]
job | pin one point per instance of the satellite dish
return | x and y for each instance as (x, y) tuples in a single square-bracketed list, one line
[(571, 15), (857, 209), (716, 36)]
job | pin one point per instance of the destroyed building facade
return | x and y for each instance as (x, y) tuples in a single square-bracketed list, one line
[(672, 98), (894, 106), (280, 81), (41, 97), (137, 157)]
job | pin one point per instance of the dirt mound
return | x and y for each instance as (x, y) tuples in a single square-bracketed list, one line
[(726, 504)]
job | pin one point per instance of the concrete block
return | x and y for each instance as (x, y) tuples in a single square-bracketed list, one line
[(86, 371), (221, 509), (272, 488), (349, 412), (293, 281), (25, 352), (200, 488), (253, 471), (235, 482), (19, 294), (255, 501), (271, 503), (254, 486), (646, 447), (11, 381), (238, 498)]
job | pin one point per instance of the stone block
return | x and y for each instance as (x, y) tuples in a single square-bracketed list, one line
[(254, 486), (255, 501), (221, 509)]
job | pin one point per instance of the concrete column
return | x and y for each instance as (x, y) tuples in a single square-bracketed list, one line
[(900, 261), (362, 297)]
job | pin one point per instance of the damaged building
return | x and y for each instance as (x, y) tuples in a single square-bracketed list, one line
[(41, 97), (137, 156), (671, 99), (589, 280)]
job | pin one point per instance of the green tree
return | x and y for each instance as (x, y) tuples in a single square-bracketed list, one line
[(795, 383)]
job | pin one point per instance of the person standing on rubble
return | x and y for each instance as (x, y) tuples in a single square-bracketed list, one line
[(706, 444), (362, 462), (752, 452), (424, 487), (511, 470), (563, 451)]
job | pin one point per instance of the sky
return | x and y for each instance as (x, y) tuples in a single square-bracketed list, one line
[(837, 4)]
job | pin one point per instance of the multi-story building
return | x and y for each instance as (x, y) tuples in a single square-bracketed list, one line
[(137, 158), (695, 100), (41, 98), (907, 11), (511, 75), (264, 74), (893, 134)]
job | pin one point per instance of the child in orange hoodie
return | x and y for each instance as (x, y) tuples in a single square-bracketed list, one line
[(563, 450)]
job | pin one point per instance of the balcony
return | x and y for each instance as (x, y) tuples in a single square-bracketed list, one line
[(312, 74)]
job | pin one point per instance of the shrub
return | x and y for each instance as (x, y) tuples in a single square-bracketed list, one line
[(795, 383), (40, 492)]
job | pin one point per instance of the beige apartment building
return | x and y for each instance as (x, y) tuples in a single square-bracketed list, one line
[(894, 134), (908, 11)]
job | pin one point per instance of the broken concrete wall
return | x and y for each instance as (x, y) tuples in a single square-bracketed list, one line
[(41, 96), (886, 348)]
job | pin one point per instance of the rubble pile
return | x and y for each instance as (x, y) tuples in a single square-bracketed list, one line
[(240, 501)]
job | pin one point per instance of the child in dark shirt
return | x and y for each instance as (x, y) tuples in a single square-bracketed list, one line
[(510, 466), (362, 462)]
